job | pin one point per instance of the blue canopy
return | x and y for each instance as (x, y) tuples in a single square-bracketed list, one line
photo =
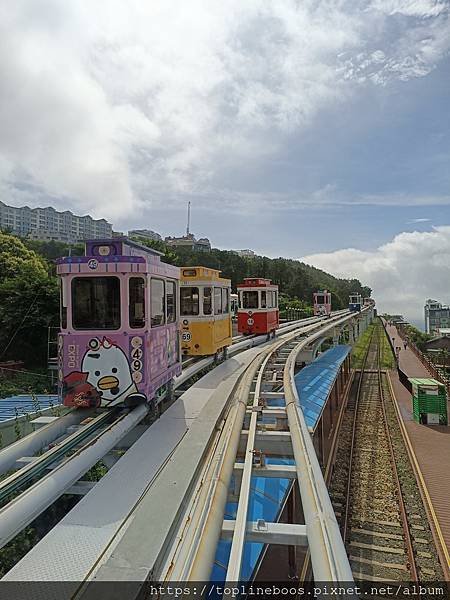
[(25, 404), (315, 381)]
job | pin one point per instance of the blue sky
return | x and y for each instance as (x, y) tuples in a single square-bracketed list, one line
[(316, 130)]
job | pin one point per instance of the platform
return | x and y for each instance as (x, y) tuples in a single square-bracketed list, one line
[(431, 443)]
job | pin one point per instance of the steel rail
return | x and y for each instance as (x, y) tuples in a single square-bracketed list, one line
[(352, 442), (237, 544), (18, 513), (33, 501), (250, 342), (408, 542), (423, 489), (35, 468), (35, 441)]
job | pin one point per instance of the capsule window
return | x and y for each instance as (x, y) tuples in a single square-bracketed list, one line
[(225, 301), (136, 302), (158, 302), (217, 301), (250, 299), (63, 308), (207, 301), (189, 301), (263, 299), (171, 301), (96, 302)]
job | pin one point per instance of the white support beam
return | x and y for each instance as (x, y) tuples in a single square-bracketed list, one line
[(238, 536), (270, 395), (25, 460), (275, 471), (277, 413), (270, 442), (285, 534)]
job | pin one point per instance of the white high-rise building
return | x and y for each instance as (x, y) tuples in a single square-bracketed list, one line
[(49, 224), (437, 316)]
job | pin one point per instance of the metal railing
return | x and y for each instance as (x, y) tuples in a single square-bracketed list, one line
[(293, 314), (425, 360)]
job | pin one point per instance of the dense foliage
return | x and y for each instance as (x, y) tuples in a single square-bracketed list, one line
[(297, 280), (417, 336), (23, 382), (29, 302)]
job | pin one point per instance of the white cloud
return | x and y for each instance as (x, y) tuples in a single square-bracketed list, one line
[(403, 273), (423, 220), (107, 105)]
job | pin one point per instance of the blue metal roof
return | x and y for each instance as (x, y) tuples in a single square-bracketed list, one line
[(25, 404), (267, 498), (314, 382)]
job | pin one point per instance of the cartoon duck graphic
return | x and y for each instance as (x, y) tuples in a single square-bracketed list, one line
[(108, 371)]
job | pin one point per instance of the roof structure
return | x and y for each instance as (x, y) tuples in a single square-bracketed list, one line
[(314, 382), (26, 404)]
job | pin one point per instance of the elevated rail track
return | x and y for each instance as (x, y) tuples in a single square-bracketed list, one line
[(181, 550)]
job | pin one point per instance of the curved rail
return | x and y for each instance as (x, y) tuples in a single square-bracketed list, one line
[(35, 468), (34, 442), (30, 503), (33, 501)]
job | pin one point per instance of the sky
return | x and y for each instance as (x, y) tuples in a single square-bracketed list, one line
[(308, 129)]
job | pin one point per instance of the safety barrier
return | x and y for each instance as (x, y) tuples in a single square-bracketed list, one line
[(401, 374), (294, 314), (425, 360)]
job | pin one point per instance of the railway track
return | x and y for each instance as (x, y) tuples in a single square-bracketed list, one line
[(374, 490)]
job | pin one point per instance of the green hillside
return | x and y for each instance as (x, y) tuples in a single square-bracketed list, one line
[(297, 280)]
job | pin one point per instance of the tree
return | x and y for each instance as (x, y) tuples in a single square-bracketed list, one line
[(29, 302)]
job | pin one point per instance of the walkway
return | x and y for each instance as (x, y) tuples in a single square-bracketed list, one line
[(431, 443)]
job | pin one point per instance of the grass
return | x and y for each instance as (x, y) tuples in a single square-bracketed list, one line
[(387, 357), (360, 347), (25, 383)]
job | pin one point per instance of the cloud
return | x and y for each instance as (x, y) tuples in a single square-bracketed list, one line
[(419, 221), (108, 106), (402, 273)]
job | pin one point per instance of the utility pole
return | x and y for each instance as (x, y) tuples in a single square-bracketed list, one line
[(188, 218)]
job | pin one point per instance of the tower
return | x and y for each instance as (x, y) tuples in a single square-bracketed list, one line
[(188, 218)]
